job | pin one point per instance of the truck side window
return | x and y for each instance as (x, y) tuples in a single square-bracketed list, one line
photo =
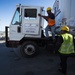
[(30, 13), (17, 18)]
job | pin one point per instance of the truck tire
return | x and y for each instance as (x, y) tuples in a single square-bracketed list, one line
[(29, 49)]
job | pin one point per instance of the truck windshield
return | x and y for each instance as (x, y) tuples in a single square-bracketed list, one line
[(30, 13), (17, 18)]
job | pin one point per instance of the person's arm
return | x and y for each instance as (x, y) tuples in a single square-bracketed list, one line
[(58, 43), (45, 17)]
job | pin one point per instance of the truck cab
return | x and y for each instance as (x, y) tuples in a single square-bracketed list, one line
[(26, 22)]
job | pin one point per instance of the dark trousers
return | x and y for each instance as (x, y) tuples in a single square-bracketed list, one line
[(63, 62)]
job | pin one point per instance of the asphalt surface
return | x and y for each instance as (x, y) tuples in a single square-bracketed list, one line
[(45, 63)]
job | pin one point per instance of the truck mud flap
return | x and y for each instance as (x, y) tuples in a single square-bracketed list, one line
[(12, 44)]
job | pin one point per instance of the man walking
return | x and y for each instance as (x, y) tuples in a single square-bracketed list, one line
[(65, 44)]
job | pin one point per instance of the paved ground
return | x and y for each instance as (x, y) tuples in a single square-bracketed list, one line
[(12, 63)]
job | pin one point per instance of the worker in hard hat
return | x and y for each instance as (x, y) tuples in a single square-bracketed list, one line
[(65, 47), (51, 22)]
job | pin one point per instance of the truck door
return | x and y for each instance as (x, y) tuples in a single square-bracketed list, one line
[(31, 22), (15, 26)]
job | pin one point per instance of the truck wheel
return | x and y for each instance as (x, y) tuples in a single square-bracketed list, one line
[(29, 49)]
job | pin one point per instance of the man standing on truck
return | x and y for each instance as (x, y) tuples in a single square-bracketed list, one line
[(65, 44), (51, 22)]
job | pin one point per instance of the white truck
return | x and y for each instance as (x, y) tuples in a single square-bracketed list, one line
[(65, 13), (26, 31)]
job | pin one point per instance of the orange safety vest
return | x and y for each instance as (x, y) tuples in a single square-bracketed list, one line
[(51, 22)]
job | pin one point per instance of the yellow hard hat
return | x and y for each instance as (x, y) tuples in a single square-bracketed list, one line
[(49, 8), (66, 28)]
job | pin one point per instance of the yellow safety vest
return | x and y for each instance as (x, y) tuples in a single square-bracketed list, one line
[(51, 22), (67, 46)]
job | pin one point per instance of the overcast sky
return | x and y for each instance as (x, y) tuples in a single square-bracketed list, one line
[(7, 8)]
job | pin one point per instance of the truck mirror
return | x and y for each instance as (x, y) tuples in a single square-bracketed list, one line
[(20, 9)]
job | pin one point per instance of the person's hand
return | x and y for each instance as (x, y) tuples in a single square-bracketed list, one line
[(39, 14)]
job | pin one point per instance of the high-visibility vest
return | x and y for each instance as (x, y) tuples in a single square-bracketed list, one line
[(67, 46), (51, 22)]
